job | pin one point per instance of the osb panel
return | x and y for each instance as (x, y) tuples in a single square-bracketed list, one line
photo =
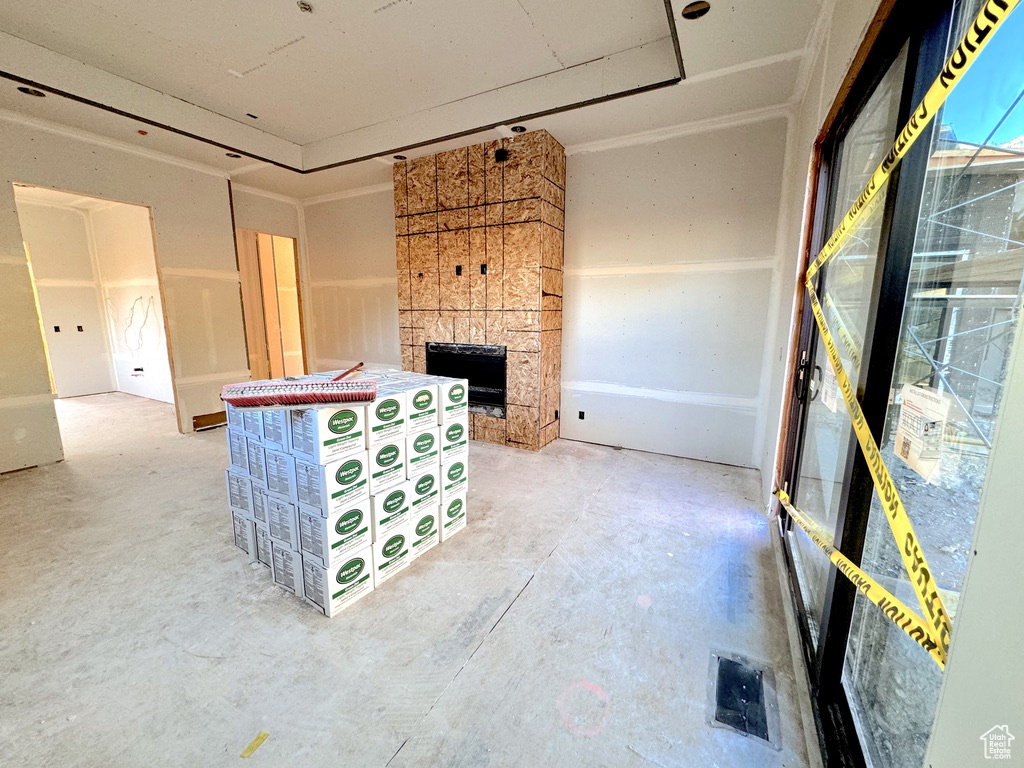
[(548, 434), (551, 358), (405, 318), (419, 336), (407, 358), (494, 267), (421, 183), (405, 336), (494, 214), (453, 178), (477, 216), (549, 404), (423, 222), (551, 215), (553, 303), (424, 319), (454, 251), (455, 292), (402, 253), (524, 167), (523, 383), (550, 320), (552, 247), (522, 249), (477, 256), (472, 426), (522, 210), (426, 292), (477, 328), (419, 359), (457, 219), (516, 341), (462, 327), (476, 174), (423, 253), (552, 193), (522, 424), (398, 176), (490, 429), (521, 289), (521, 320), (401, 225), (404, 289), (442, 329), (554, 161), (493, 188), (551, 282)]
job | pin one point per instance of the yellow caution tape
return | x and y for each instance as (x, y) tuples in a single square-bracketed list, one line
[(898, 612), (852, 342), (991, 16), (255, 744), (903, 532)]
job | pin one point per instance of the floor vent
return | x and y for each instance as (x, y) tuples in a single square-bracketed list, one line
[(742, 698)]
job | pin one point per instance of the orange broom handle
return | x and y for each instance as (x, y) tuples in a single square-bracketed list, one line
[(353, 369)]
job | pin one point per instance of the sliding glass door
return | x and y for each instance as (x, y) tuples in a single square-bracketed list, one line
[(924, 300)]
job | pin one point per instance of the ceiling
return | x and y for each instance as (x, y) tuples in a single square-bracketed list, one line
[(296, 93)]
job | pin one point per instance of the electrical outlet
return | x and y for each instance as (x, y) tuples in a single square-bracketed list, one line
[(582, 415)]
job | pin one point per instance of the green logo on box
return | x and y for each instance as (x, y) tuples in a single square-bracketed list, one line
[(457, 393), (422, 400), (388, 410), (349, 472), (425, 525), (424, 485), (456, 471), (424, 442), (455, 508), (454, 433), (349, 521), (394, 501), (393, 546), (342, 422), (350, 571), (387, 455)]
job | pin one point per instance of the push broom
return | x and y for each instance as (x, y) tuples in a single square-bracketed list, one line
[(285, 393)]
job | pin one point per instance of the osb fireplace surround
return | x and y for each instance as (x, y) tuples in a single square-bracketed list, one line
[(465, 208)]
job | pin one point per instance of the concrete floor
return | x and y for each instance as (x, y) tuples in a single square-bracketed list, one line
[(571, 624)]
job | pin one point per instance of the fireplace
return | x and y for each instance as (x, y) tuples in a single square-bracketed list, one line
[(482, 364)]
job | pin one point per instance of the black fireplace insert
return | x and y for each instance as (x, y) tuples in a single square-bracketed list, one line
[(482, 364)]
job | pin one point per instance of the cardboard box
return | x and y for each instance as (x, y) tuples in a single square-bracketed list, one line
[(425, 488), (333, 486), (421, 402), (281, 475), (327, 540), (423, 449), (238, 451), (240, 529), (259, 506), (275, 429), (453, 516), (387, 465), (454, 439), (286, 568), (239, 492), (283, 522), (385, 416), (234, 417), (391, 555), (390, 510), (426, 533), (322, 435), (262, 552), (252, 424), (336, 587), (453, 396), (257, 462), (454, 478)]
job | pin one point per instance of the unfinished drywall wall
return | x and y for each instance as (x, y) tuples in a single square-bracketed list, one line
[(195, 251), (350, 292), (68, 287), (123, 240), (669, 249), (840, 30), (265, 212)]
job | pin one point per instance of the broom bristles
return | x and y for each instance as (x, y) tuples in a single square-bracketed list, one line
[(306, 392)]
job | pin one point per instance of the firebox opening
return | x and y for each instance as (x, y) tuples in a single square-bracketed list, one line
[(482, 364)]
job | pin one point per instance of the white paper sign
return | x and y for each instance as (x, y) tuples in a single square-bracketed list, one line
[(919, 432)]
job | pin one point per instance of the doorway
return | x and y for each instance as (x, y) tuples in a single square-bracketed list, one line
[(271, 304)]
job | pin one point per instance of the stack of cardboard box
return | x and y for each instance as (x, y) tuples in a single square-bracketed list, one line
[(335, 500)]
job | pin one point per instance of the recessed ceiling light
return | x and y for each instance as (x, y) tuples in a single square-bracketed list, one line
[(695, 10), (31, 91), (518, 129), (400, 157), (234, 155)]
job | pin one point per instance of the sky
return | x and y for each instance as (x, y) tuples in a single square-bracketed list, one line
[(988, 89)]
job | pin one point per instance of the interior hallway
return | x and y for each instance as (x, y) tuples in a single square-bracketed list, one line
[(571, 624)]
